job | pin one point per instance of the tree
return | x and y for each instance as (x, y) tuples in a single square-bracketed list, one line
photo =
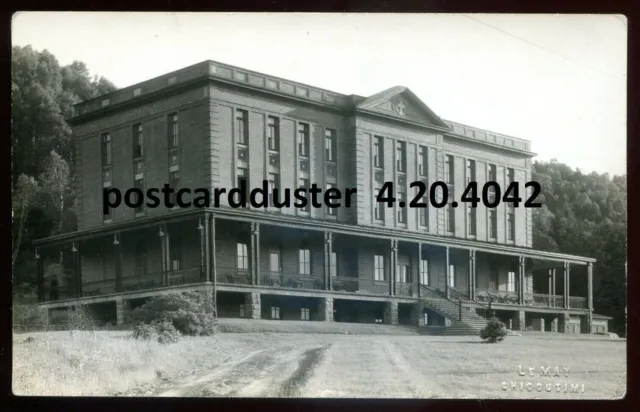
[(55, 186), (25, 191)]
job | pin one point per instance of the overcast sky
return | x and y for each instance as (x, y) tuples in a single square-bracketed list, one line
[(559, 81)]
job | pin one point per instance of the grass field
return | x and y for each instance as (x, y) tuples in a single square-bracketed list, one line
[(269, 359)]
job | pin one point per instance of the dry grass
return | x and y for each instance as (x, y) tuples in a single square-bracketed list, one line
[(104, 363)]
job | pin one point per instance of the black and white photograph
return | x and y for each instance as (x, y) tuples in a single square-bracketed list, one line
[(319, 205)]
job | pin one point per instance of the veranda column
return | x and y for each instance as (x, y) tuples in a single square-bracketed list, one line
[(328, 251), (419, 277), (521, 287), (203, 250), (472, 274), (77, 270), (553, 286), (212, 249), (117, 256), (392, 269), (567, 270), (590, 286), (205, 243), (255, 253), (39, 275), (162, 234), (446, 272)]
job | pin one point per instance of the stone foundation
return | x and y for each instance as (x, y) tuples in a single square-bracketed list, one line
[(122, 307), (538, 324), (252, 305), (566, 319), (554, 325), (391, 313), (519, 320), (325, 309), (585, 323), (417, 317)]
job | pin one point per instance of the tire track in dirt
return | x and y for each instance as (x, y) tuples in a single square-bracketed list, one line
[(265, 373), (418, 386)]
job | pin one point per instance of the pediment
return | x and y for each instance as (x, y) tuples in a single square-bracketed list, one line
[(401, 103)]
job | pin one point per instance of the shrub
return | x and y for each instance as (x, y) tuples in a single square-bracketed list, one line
[(27, 317), (167, 333), (495, 331), (144, 331), (190, 313)]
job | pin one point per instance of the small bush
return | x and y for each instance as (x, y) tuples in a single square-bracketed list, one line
[(29, 317), (495, 331), (190, 313), (144, 331), (167, 333)]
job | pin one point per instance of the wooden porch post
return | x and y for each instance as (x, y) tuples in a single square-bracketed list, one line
[(446, 272), (212, 248), (521, 269), (117, 255), (328, 252), (162, 234), (419, 282), (206, 245), (39, 275), (255, 253), (392, 270), (202, 231), (472, 274), (550, 288), (590, 286), (567, 270)]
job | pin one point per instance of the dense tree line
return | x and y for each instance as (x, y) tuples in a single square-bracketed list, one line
[(586, 215), (583, 214)]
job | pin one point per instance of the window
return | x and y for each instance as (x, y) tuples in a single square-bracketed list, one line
[(450, 216), (172, 131), (511, 282), (493, 224), (241, 127), (378, 210), (274, 183), (471, 217), (106, 150), (241, 180), (511, 226), (141, 258), (304, 184), (304, 314), (138, 142), (423, 213), (401, 157), (378, 267), (402, 273), (333, 266), (448, 170), (452, 276), (330, 145), (471, 171), (242, 256), (510, 179), (175, 252), (332, 211), (422, 161), (304, 261), (139, 184), (109, 215), (303, 139), (273, 133), (402, 211), (275, 312), (174, 182), (242, 311), (424, 272), (426, 319), (274, 261), (491, 193), (378, 151)]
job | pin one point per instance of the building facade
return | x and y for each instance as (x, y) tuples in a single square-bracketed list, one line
[(213, 126)]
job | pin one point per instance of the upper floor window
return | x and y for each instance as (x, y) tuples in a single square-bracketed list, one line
[(173, 131), (175, 252), (493, 223), (138, 183), (378, 207), (330, 145), (332, 211), (450, 217), (511, 175), (451, 278), (242, 254), (174, 182), (424, 272), (242, 178), (304, 184), (303, 139), (511, 282), (401, 157), (273, 133), (511, 226), (138, 141), (448, 170), (378, 151), (402, 211), (304, 261), (422, 161), (274, 183), (424, 213), (493, 177), (106, 149), (333, 267), (471, 217), (402, 273), (242, 131), (471, 171), (378, 267)]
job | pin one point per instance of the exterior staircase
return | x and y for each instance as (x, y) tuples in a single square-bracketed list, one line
[(463, 320)]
